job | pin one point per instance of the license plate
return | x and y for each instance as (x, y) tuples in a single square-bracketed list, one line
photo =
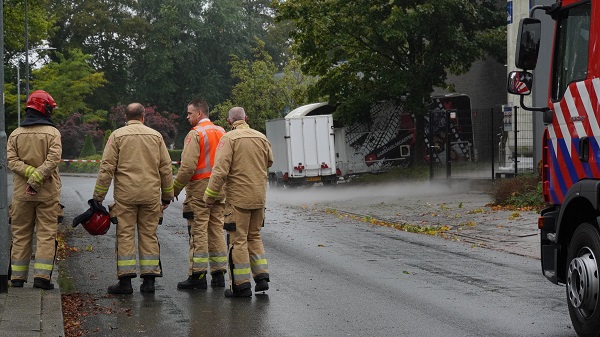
[(313, 179)]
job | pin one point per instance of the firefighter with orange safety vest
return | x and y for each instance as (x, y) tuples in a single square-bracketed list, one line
[(243, 157), (33, 153), (205, 225), (136, 157)]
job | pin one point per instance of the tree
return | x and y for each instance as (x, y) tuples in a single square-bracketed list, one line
[(88, 147), (38, 26), (106, 30), (163, 122), (261, 90), (73, 132), (69, 81), (379, 50)]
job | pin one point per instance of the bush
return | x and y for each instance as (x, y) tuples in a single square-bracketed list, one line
[(88, 147), (522, 191), (175, 155)]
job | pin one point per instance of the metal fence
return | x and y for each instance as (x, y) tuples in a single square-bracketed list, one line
[(496, 144)]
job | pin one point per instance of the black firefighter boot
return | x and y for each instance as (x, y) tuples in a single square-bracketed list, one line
[(218, 279), (123, 287), (240, 290), (148, 284), (42, 283), (194, 281), (262, 282)]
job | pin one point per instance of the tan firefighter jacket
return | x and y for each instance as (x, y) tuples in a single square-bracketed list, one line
[(242, 160), (137, 157), (33, 155), (197, 158)]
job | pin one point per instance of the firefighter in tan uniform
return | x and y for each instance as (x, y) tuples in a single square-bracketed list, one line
[(33, 153), (243, 157), (205, 225), (136, 158)]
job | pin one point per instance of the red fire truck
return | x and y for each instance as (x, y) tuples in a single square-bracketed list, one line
[(570, 239)]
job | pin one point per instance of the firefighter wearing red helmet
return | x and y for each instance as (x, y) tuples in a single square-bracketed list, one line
[(136, 157), (33, 153)]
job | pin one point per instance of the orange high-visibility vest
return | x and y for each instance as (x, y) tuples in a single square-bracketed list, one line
[(209, 136)]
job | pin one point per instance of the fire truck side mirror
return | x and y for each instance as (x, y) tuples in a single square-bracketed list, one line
[(528, 43), (519, 82)]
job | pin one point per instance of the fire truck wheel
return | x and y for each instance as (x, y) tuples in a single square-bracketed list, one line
[(582, 282)]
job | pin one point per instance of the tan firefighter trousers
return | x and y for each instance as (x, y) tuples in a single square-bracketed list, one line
[(24, 217), (207, 238), (145, 218), (246, 252)]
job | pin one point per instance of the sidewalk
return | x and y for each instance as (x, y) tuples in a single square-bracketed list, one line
[(29, 311)]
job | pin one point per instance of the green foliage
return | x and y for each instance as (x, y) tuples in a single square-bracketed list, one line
[(522, 191), (74, 167), (107, 134), (38, 25), (69, 81), (261, 90), (88, 147), (175, 155), (105, 29), (413, 173), (379, 50)]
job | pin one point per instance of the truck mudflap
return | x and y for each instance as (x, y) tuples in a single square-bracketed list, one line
[(550, 249)]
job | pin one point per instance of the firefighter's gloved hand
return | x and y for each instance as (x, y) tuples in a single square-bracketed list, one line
[(83, 217), (97, 206)]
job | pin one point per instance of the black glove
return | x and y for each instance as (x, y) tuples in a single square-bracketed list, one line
[(83, 217), (97, 206)]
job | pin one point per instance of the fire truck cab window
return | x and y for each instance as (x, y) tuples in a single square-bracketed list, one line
[(571, 48)]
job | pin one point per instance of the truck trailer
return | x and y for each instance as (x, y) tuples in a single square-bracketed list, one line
[(303, 147)]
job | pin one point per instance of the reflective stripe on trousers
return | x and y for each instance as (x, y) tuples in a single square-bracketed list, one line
[(19, 269), (43, 267), (259, 264), (149, 264)]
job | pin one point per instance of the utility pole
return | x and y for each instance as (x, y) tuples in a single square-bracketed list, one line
[(26, 53), (4, 227)]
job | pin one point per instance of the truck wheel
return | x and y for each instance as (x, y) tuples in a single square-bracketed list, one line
[(582, 282)]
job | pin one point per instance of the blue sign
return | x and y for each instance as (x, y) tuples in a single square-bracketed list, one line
[(509, 12)]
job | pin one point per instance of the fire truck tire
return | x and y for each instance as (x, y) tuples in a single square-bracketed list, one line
[(582, 283)]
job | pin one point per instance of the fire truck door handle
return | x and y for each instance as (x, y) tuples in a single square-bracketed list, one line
[(584, 149)]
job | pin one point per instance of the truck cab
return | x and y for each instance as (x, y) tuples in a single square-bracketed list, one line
[(569, 228)]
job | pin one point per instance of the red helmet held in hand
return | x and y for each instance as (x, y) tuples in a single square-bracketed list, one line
[(98, 224), (41, 101)]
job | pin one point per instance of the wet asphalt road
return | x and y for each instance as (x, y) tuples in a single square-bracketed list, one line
[(330, 276)]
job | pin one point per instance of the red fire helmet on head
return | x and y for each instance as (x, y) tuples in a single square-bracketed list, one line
[(98, 224), (41, 101)]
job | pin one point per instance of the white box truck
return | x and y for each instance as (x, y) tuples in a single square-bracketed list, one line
[(303, 148)]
